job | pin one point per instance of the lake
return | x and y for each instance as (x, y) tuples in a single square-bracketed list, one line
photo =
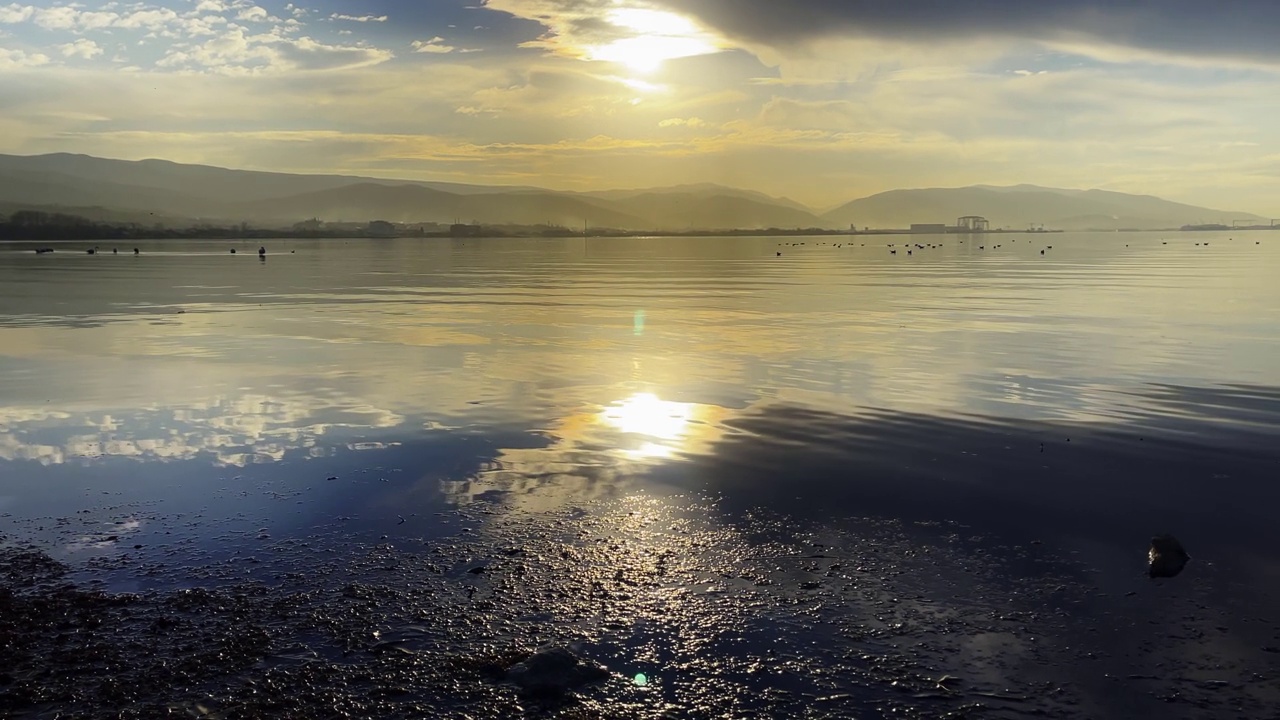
[(804, 476)]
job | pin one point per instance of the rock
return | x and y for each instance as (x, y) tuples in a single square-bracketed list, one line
[(1166, 558), (554, 670)]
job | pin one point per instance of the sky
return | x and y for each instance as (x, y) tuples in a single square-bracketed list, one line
[(821, 101)]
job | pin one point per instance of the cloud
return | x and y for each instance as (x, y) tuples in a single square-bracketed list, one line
[(693, 122), (236, 51), (81, 48), (832, 115), (74, 19), (434, 45), (359, 18), (255, 13), (14, 59), (308, 54), (1227, 29), (56, 18), (150, 19), (14, 13)]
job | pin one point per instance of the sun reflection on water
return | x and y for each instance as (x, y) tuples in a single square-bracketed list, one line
[(665, 425), (646, 414)]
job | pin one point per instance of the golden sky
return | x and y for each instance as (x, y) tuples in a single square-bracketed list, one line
[(821, 101)]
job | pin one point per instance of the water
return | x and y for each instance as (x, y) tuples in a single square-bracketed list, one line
[(1080, 400)]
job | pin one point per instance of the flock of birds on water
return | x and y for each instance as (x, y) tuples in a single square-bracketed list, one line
[(262, 251), (893, 247), (912, 247)]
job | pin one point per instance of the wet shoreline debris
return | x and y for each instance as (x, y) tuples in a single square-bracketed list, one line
[(719, 614)]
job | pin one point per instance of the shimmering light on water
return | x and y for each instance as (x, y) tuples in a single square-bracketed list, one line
[(528, 328), (187, 350)]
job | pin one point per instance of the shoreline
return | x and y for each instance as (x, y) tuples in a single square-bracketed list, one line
[(720, 612)]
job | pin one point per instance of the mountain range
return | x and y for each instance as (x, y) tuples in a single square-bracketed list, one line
[(160, 190)]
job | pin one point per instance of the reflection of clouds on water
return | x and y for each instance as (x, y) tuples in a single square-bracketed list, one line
[(231, 431), (109, 537)]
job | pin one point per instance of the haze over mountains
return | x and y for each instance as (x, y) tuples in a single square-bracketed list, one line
[(159, 189)]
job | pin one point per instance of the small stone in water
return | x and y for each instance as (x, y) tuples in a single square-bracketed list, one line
[(1166, 558)]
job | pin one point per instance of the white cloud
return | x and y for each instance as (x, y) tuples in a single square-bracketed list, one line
[(434, 45), (693, 122), (359, 18), (13, 59), (236, 52), (194, 27), (81, 48), (306, 53), (96, 20), (56, 18), (72, 18), (16, 13), (256, 13)]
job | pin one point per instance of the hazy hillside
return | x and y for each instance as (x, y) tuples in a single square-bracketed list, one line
[(681, 211), (1023, 206), (211, 184), (51, 188), (97, 213), (413, 203), (699, 189), (235, 195), (174, 190)]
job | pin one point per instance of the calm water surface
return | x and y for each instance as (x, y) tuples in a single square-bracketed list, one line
[(1113, 387)]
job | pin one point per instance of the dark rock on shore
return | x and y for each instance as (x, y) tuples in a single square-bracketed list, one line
[(553, 671)]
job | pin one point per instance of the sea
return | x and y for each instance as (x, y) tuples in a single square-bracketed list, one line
[(836, 476)]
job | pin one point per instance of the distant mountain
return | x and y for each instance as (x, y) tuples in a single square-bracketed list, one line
[(47, 188), (162, 189), (1022, 206), (211, 193), (211, 184)]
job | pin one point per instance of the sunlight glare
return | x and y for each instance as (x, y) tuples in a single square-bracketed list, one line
[(645, 414), (658, 36)]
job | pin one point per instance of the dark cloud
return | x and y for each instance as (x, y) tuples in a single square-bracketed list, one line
[(1245, 29)]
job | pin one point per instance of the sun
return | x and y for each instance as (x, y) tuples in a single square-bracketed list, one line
[(656, 36)]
